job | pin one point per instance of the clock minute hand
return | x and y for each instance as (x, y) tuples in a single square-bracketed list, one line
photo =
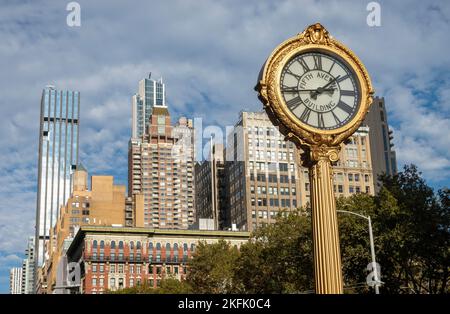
[(306, 90), (319, 90)]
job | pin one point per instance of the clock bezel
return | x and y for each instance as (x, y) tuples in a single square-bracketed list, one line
[(314, 39)]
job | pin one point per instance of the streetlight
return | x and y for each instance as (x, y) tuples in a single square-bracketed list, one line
[(372, 247)]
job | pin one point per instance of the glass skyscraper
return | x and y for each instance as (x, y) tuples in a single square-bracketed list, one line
[(58, 157), (151, 93)]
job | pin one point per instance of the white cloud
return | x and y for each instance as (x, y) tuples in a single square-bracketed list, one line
[(209, 54)]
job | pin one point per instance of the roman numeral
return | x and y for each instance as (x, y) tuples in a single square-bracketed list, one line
[(320, 119), (332, 65), (305, 115), (303, 64), (346, 76), (336, 118), (345, 107), (294, 103), (347, 93), (317, 62), (293, 74), (289, 88)]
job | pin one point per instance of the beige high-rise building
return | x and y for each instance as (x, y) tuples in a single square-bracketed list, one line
[(383, 155), (265, 174), (104, 204), (161, 167)]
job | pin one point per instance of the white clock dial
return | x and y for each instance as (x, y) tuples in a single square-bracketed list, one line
[(320, 89)]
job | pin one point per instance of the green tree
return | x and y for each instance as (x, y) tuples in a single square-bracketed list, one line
[(278, 258), (212, 267), (415, 235)]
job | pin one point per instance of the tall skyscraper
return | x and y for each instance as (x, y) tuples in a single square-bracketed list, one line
[(161, 160), (28, 268), (210, 188), (58, 157), (15, 280), (151, 93), (383, 155), (265, 173)]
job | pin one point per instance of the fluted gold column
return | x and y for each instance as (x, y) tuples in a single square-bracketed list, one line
[(327, 256)]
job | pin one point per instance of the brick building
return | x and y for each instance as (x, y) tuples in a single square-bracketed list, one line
[(114, 258)]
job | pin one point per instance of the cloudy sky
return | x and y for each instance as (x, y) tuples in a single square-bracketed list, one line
[(209, 54)]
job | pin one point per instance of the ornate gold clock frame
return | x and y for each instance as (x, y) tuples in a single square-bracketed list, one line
[(320, 147)]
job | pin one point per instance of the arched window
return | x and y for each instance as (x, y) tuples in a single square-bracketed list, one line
[(113, 244), (185, 252), (168, 252), (102, 244), (94, 244), (138, 245), (192, 248), (150, 252), (175, 252), (131, 245), (120, 245), (158, 252)]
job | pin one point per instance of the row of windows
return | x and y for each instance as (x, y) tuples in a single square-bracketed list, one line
[(185, 246), (274, 202), (272, 190)]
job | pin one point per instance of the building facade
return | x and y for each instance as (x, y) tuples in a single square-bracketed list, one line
[(151, 93), (15, 280), (161, 168), (28, 267), (58, 156), (116, 258), (265, 174), (383, 155), (103, 204), (210, 188)]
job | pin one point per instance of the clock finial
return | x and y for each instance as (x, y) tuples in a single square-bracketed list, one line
[(315, 34)]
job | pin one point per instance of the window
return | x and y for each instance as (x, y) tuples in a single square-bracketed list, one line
[(131, 269), (94, 282), (340, 188), (138, 269), (120, 269), (350, 177), (102, 282), (351, 189), (356, 177), (94, 244), (120, 245), (112, 283), (102, 268), (131, 282), (168, 252), (112, 269), (94, 268), (306, 186), (113, 244)]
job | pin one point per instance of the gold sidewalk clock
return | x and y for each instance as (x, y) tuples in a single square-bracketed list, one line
[(317, 92)]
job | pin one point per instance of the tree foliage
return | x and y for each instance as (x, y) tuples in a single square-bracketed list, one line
[(411, 227)]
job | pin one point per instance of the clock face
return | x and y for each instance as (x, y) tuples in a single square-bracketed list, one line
[(320, 89)]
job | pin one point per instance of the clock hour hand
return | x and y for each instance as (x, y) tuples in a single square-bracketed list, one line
[(319, 90), (292, 90)]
